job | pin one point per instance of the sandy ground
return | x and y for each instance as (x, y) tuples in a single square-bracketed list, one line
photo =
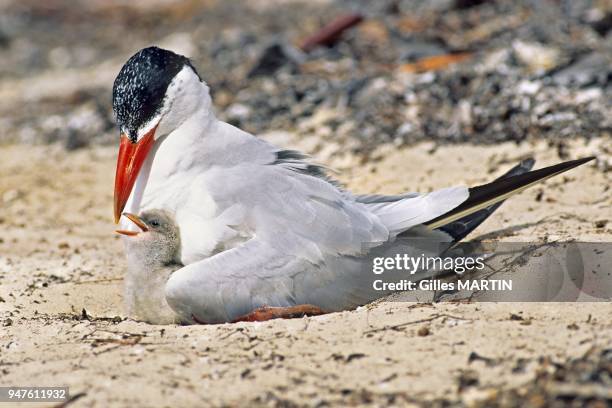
[(62, 320)]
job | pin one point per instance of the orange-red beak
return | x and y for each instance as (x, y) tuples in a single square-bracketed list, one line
[(130, 160)]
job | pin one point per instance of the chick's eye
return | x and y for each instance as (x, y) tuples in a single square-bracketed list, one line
[(154, 223)]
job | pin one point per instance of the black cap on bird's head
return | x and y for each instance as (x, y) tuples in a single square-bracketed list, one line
[(139, 103), (139, 89)]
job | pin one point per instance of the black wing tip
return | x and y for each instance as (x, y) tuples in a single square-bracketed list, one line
[(564, 166), (570, 164), (581, 160), (518, 176), (584, 160), (529, 162)]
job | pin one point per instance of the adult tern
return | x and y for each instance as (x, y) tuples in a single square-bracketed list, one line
[(261, 226)]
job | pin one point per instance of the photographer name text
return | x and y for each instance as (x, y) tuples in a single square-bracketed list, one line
[(439, 285)]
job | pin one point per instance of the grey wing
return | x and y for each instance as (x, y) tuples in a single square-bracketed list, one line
[(235, 282), (310, 242), (307, 249)]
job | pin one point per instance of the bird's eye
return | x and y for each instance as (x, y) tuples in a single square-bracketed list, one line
[(154, 223)]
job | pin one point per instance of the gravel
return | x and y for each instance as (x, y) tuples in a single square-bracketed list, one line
[(447, 71)]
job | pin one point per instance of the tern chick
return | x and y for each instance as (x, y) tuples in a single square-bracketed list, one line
[(153, 254)]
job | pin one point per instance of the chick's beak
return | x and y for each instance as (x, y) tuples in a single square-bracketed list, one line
[(129, 161), (136, 220)]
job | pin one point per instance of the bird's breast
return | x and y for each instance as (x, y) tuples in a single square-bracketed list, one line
[(206, 226)]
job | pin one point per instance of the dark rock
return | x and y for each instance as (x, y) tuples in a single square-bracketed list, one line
[(467, 379), (463, 4), (601, 223), (603, 25), (4, 39), (591, 69), (76, 140), (271, 59)]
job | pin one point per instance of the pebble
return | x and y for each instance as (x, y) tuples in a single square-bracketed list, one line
[(537, 57), (11, 195), (601, 223), (423, 331)]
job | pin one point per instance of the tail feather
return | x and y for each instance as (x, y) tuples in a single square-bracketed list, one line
[(487, 195), (401, 215)]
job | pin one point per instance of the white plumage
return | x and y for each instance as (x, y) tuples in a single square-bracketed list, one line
[(260, 226)]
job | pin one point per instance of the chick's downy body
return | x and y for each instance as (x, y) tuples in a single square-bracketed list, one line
[(152, 258)]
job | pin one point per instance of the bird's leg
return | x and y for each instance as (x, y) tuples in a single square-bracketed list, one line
[(268, 313)]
